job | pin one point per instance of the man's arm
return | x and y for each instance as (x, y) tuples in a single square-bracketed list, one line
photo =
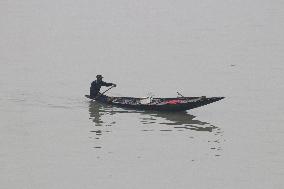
[(108, 84)]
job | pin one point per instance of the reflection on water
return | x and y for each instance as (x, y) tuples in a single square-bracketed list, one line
[(150, 121), (178, 120), (97, 111)]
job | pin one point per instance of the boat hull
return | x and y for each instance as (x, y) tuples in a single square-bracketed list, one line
[(157, 104)]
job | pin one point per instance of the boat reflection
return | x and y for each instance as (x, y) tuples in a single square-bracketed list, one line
[(107, 117), (97, 111), (177, 120)]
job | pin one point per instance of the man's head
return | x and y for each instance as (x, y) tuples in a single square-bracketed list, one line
[(99, 77)]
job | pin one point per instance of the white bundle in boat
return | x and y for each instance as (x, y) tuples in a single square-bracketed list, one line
[(146, 100)]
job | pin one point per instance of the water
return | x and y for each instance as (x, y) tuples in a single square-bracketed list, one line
[(53, 137)]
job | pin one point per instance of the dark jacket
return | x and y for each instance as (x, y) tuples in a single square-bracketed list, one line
[(96, 86)]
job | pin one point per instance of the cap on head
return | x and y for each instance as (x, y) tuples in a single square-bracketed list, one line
[(99, 76)]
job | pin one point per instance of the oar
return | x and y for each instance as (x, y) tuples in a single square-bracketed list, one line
[(104, 92)]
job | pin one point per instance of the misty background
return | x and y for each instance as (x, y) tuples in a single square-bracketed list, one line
[(50, 51)]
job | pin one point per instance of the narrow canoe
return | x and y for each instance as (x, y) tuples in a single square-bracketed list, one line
[(157, 104)]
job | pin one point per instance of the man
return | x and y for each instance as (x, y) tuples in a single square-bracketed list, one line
[(97, 84)]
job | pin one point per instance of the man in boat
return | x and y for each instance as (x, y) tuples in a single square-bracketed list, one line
[(97, 84)]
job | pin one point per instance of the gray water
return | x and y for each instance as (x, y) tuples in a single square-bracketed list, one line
[(53, 137)]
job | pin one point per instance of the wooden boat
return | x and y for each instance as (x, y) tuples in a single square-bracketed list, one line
[(157, 104)]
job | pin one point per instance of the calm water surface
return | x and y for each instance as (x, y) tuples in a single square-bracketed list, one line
[(51, 136)]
